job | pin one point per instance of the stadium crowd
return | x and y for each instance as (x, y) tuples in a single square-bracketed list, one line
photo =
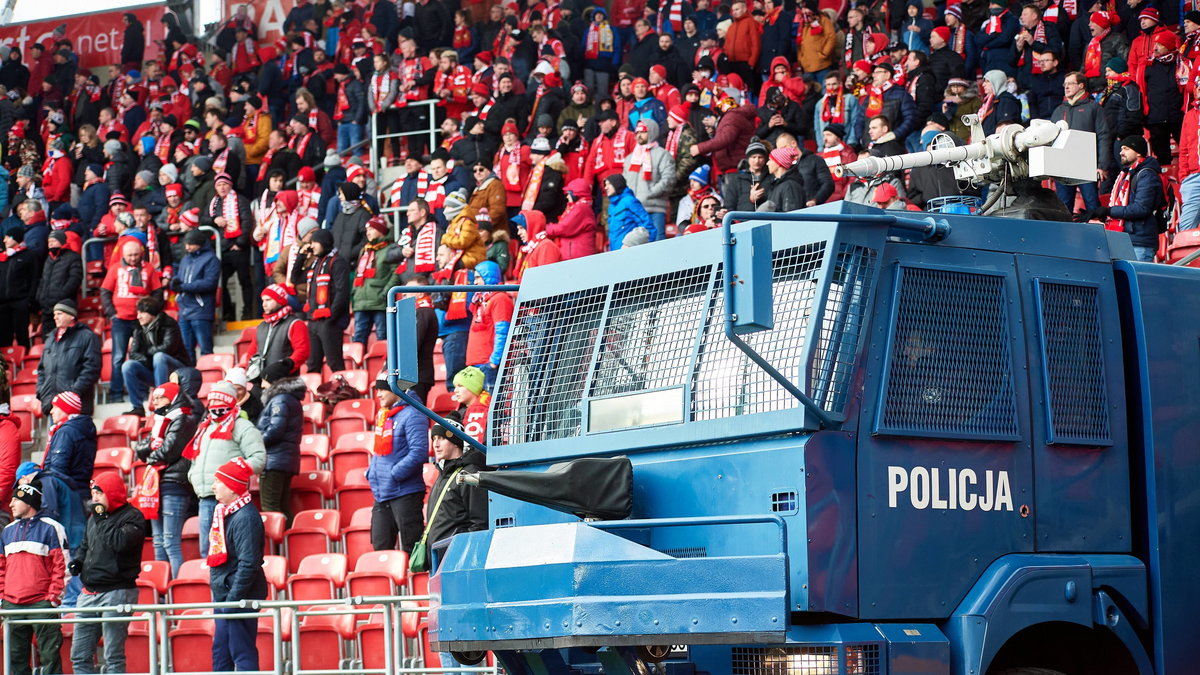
[(231, 178)]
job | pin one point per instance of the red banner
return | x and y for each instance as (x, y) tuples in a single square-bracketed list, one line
[(97, 37), (269, 16)]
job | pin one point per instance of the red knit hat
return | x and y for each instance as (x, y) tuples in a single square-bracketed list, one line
[(659, 69), (173, 189), (885, 193), (1101, 19), (68, 402), (223, 177), (167, 390), (785, 157), (1149, 13), (639, 80), (277, 293), (118, 198), (306, 175), (863, 65), (236, 474), (354, 171), (191, 217), (510, 127), (186, 149), (1167, 39), (379, 224), (943, 32), (679, 113), (485, 56)]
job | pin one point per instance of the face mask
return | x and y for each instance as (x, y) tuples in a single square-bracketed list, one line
[(349, 208), (1012, 88), (996, 11), (163, 410), (218, 413)]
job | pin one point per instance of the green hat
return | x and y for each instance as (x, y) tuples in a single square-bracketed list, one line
[(471, 378)]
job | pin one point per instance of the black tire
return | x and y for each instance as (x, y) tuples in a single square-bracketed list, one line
[(469, 658)]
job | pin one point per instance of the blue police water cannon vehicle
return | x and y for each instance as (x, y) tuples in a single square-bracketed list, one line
[(839, 441)]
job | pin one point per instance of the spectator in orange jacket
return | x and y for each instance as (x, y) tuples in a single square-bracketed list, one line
[(743, 42)]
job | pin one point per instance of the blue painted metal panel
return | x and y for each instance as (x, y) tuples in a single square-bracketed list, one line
[(830, 490), (923, 536), (915, 649), (1082, 492), (1162, 327), (750, 286)]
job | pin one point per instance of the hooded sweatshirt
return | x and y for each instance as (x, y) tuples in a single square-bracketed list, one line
[(539, 249), (491, 314), (111, 553)]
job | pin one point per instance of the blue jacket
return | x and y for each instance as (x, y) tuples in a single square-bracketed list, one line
[(1145, 195), (607, 60), (198, 275), (281, 423), (93, 204), (652, 109), (241, 577), (995, 49), (329, 185), (399, 473), (72, 453), (625, 213)]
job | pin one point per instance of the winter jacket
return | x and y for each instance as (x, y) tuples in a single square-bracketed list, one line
[(814, 175), (945, 63), (62, 275), (922, 83), (816, 49), (1045, 93), (538, 250), (1162, 94), (901, 110), (118, 177), (32, 565), (1144, 195), (70, 363), (652, 192), (575, 231), (162, 335), (625, 213), (462, 234), (281, 424), (649, 108), (793, 122), (1006, 109), (10, 457), (733, 134), (111, 552), (785, 194), (550, 200), (169, 454), (241, 577), (1085, 115), (504, 107), (369, 291), (1053, 43), (464, 507), (71, 452), (19, 279), (398, 473), (349, 232), (685, 164), (246, 442), (735, 189), (339, 290), (995, 49), (489, 196), (196, 283), (213, 208), (93, 204), (779, 40), (356, 97), (491, 316), (1113, 45)]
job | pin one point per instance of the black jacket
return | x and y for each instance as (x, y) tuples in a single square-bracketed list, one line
[(19, 278), (112, 549), (71, 363), (241, 577), (433, 23), (793, 122), (214, 208), (464, 508), (1145, 195), (282, 423), (62, 274), (339, 290), (642, 54), (1162, 91), (506, 106), (926, 95), (356, 96), (176, 437), (119, 174), (162, 335), (133, 49), (814, 173), (785, 194), (349, 232), (946, 63), (1123, 110), (735, 190)]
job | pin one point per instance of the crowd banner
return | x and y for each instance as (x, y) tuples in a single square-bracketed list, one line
[(97, 37)]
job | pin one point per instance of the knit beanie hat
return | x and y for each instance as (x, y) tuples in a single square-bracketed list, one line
[(67, 306), (455, 202), (236, 474), (277, 293), (68, 402), (471, 378), (784, 157), (30, 493)]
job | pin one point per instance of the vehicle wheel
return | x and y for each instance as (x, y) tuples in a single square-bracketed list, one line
[(653, 653), (469, 658)]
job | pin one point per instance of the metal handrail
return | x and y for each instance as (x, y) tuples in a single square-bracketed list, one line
[(154, 614), (342, 153), (432, 131)]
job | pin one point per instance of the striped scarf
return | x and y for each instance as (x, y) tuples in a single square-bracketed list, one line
[(395, 200), (218, 550)]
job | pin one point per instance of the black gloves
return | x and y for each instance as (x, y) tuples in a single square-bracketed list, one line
[(75, 568)]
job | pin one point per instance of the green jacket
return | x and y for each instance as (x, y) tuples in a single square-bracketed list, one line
[(369, 294), (246, 442)]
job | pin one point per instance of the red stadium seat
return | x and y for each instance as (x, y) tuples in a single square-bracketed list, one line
[(312, 532), (358, 378), (190, 538), (274, 525), (314, 451), (310, 490), (316, 414), (353, 352), (321, 638), (354, 494), (356, 537), (191, 644), (243, 344), (137, 645), (359, 440), (275, 568), (443, 402), (371, 645), (376, 358), (192, 583), (118, 459), (320, 577), (28, 409), (215, 363), (15, 354), (156, 573), (354, 415), (117, 431), (266, 637), (430, 473), (342, 460), (25, 383), (377, 574)]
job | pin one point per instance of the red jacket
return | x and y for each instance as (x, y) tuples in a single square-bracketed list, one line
[(122, 294), (541, 249), (743, 41), (607, 155), (56, 179), (728, 144), (494, 308), (10, 457), (575, 231), (32, 566), (1189, 154)]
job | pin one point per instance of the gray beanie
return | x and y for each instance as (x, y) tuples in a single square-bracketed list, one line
[(147, 176), (331, 158), (171, 171), (112, 146), (455, 202), (305, 226)]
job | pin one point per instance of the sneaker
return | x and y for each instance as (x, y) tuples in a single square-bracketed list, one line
[(135, 411)]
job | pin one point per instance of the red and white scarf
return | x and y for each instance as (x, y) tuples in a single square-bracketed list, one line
[(233, 218), (218, 550), (366, 261), (833, 109), (160, 423), (381, 84), (220, 161), (995, 23), (422, 178), (1039, 35), (8, 252), (641, 161), (222, 428), (300, 147)]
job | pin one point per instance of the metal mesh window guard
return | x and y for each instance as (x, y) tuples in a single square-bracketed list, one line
[(841, 328), (950, 364), (1073, 363), (726, 382)]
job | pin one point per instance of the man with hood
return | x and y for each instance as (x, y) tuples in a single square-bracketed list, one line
[(537, 248), (649, 172), (62, 274), (349, 224), (328, 304), (195, 285), (32, 570), (176, 416), (108, 563), (281, 424), (221, 436), (491, 316), (628, 222), (778, 115), (601, 50), (575, 231), (400, 450), (373, 276), (235, 558), (229, 213)]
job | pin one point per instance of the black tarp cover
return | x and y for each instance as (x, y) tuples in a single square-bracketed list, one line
[(592, 487)]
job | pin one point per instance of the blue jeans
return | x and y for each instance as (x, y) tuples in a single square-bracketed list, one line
[(207, 506), (197, 333), (87, 635), (1189, 208), (140, 379), (362, 325), (349, 133), (234, 644), (122, 330), (168, 530), (454, 351), (1144, 253), (1091, 195), (660, 225)]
